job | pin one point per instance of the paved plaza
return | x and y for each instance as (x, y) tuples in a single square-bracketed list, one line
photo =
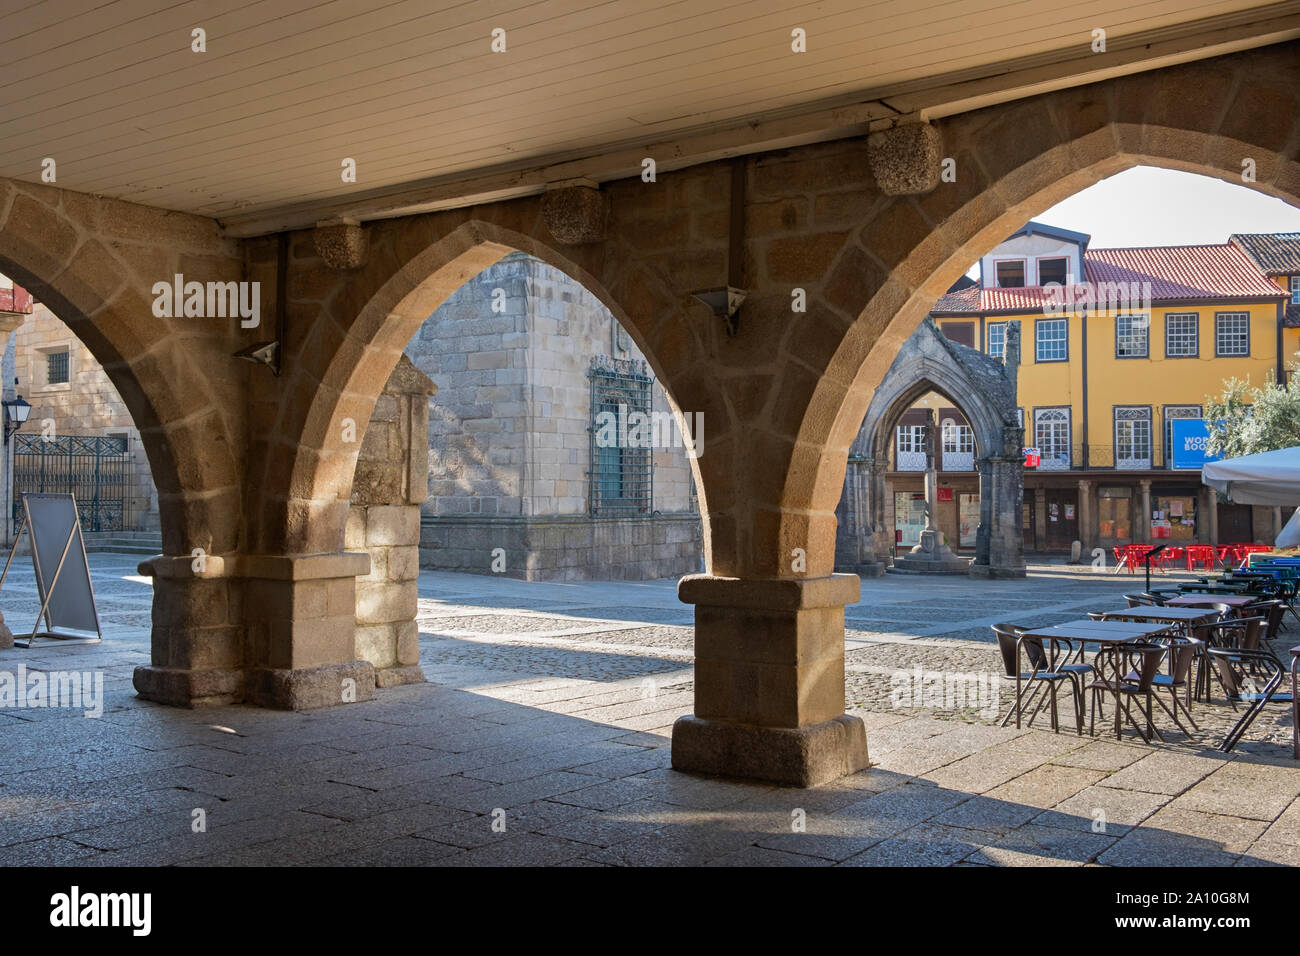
[(542, 738)]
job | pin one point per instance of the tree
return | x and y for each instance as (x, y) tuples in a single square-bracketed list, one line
[(1248, 419)]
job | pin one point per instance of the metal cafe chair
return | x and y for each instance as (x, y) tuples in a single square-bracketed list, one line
[(1230, 665), (1227, 631), (1181, 653), (1011, 638), (1144, 599), (1295, 702), (1128, 672)]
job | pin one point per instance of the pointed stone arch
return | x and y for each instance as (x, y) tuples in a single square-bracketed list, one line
[(985, 391)]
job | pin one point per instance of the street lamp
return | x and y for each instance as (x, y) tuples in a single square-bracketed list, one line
[(16, 412)]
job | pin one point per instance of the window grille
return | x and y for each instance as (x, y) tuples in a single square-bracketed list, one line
[(620, 476)]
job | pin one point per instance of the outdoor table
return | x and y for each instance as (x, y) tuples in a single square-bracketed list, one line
[(1234, 601), (1171, 615), (1087, 631)]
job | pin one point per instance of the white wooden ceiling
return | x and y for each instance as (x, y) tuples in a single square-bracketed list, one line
[(412, 91)]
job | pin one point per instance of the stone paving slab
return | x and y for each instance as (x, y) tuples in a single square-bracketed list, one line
[(542, 739)]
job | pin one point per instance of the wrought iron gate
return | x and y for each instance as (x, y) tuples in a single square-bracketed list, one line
[(95, 468)]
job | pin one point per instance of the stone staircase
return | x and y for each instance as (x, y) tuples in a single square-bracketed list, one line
[(145, 543)]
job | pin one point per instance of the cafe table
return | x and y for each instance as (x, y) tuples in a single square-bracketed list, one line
[(1234, 601), (1171, 615), (1087, 631)]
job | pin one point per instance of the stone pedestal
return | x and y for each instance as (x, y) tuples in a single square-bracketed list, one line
[(197, 639), (300, 636), (272, 630), (769, 681), (931, 556)]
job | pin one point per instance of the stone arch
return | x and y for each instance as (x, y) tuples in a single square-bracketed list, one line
[(71, 253), (323, 464), (931, 362), (1013, 162)]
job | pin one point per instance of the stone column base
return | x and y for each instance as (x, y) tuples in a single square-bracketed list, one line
[(181, 687), (795, 757), (398, 675), (309, 688)]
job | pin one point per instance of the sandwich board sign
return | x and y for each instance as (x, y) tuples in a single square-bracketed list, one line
[(62, 571)]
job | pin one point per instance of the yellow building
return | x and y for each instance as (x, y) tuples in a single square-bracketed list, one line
[(1115, 345), (1277, 254)]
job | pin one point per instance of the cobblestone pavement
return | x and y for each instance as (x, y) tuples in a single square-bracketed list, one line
[(548, 713)]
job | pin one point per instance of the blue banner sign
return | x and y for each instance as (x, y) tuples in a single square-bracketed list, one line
[(1188, 443)]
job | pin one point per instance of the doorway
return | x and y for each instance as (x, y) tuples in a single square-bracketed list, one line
[(1235, 524), (1062, 518)]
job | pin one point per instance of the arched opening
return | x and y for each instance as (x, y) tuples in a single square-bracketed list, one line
[(518, 430), (325, 456)]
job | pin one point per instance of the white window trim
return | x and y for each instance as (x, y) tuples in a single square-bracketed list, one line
[(1133, 463), (1196, 334), (988, 339), (1040, 324), (1146, 351), (1050, 462), (1218, 351)]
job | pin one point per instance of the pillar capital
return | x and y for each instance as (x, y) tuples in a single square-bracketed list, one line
[(783, 594)]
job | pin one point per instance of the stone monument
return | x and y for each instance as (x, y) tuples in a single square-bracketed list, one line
[(932, 555)]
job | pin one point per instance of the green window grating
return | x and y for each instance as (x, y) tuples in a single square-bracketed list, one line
[(620, 478)]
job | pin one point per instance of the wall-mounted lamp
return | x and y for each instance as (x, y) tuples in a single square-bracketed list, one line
[(16, 412)]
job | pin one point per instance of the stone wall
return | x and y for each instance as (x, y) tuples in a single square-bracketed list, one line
[(384, 521), (509, 435), (565, 547)]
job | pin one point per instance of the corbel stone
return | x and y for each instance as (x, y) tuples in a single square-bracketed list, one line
[(906, 159), (574, 212), (341, 243)]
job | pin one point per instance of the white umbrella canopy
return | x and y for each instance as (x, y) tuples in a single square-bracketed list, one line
[(1290, 536), (1268, 478)]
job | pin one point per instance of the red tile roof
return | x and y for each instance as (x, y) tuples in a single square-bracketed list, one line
[(1174, 273)]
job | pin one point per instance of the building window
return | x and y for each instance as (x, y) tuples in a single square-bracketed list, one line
[(1053, 270), (1171, 414), (997, 339), (963, 333), (1011, 273), (56, 369), (958, 446), (1133, 437), (1131, 339), (909, 448), (623, 434), (1232, 333), (1052, 438), (1295, 290), (1051, 342), (1182, 335)]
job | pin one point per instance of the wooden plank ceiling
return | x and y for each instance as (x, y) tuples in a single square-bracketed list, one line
[(412, 90)]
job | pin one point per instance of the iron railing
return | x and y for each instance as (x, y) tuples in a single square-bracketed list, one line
[(94, 468)]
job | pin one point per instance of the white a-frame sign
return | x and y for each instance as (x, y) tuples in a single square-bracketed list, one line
[(62, 576)]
